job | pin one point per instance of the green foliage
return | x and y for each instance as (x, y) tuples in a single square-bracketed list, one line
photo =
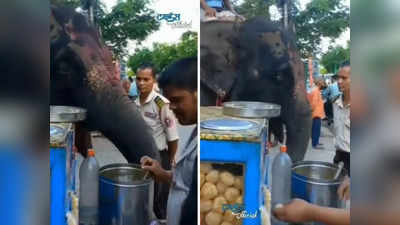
[(253, 8), (321, 18), (163, 55), (323, 71), (128, 20), (130, 73), (141, 56), (334, 57)]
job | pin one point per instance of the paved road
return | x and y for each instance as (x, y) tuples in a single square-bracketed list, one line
[(107, 153), (325, 155)]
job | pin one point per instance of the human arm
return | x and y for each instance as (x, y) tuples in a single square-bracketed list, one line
[(299, 211), (154, 167), (228, 5), (210, 12), (172, 148), (344, 189)]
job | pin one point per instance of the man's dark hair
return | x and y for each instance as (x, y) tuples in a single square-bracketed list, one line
[(148, 66), (345, 63), (130, 79), (181, 74)]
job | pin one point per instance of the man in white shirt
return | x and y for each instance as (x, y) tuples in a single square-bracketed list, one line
[(179, 83), (341, 117), (156, 112)]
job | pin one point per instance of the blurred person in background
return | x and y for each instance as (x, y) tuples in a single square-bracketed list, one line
[(210, 9), (179, 84), (341, 117), (156, 88), (133, 92), (317, 112), (331, 93), (156, 112), (126, 84)]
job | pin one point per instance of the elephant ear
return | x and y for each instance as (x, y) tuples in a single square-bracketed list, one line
[(219, 56)]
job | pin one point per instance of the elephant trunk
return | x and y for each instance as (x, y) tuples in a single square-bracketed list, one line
[(298, 130), (117, 117)]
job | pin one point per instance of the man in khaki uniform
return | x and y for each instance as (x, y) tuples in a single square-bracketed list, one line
[(155, 110)]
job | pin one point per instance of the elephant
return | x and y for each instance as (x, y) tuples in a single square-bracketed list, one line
[(257, 61), (82, 74)]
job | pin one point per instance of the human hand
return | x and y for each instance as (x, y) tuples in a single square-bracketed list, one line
[(344, 189), (151, 165), (210, 12), (297, 211)]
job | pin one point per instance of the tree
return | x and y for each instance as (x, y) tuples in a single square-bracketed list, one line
[(128, 20), (321, 18), (163, 54), (334, 57), (253, 8), (141, 56)]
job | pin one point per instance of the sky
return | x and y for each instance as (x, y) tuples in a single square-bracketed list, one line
[(189, 10)]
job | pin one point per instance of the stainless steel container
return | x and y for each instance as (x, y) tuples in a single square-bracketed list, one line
[(63, 114), (248, 109), (125, 197), (313, 181)]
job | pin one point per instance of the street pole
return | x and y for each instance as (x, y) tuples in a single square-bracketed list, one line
[(91, 14), (285, 15)]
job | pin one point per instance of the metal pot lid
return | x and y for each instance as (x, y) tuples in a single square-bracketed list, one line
[(62, 114), (228, 124), (251, 109)]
